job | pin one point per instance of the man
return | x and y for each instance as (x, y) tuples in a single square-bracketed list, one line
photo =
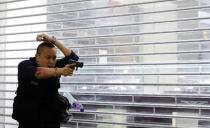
[(38, 84)]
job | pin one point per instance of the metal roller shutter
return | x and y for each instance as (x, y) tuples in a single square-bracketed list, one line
[(146, 61)]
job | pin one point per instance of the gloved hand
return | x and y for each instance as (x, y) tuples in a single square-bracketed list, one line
[(77, 105)]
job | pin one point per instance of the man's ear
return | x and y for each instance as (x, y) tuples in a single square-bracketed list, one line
[(37, 58), (36, 55)]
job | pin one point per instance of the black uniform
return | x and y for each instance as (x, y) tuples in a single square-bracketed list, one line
[(35, 103)]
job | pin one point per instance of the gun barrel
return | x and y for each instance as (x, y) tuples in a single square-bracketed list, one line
[(78, 64)]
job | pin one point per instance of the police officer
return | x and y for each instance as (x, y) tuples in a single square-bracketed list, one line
[(38, 84)]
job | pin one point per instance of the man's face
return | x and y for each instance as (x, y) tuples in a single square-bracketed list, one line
[(46, 57)]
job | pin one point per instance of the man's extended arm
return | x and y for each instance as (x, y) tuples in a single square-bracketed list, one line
[(44, 72)]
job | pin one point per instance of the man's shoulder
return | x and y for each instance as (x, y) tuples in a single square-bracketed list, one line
[(27, 62)]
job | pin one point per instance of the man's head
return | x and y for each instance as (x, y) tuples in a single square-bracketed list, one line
[(46, 55)]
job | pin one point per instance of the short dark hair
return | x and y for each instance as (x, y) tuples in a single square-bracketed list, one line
[(42, 45)]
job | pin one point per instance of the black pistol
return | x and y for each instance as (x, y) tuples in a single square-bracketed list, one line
[(78, 64)]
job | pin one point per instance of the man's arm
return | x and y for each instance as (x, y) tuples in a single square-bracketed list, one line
[(44, 72), (53, 40), (61, 47)]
